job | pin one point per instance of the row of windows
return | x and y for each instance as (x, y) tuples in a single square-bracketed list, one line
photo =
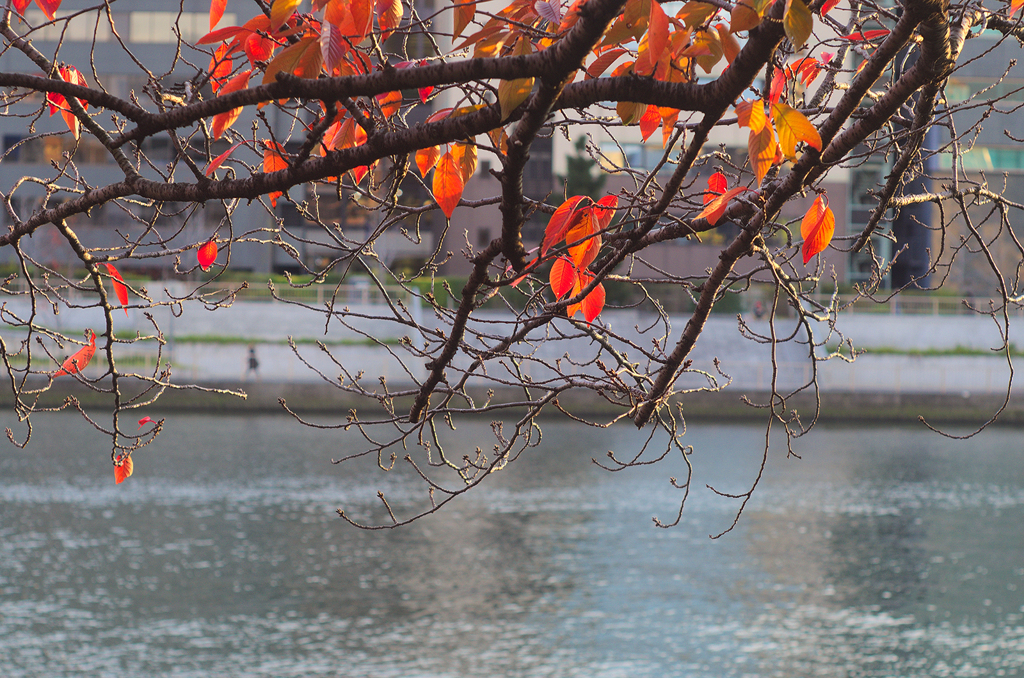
[(143, 27)]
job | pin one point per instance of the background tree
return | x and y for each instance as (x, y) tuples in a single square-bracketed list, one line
[(367, 121), (582, 175)]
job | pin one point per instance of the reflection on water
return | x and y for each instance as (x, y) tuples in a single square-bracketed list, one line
[(883, 552)]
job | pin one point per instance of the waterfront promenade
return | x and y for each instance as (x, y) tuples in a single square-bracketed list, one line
[(945, 356)]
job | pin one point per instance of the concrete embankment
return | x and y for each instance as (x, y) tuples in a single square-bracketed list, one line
[(952, 376)]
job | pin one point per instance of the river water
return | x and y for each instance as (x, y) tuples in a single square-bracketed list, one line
[(882, 552)]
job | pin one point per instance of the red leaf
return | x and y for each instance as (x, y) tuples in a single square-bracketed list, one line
[(865, 36), (222, 121), (216, 11), (273, 161), (561, 222), (144, 421), (828, 6), (80, 359), (123, 469), (717, 185), (817, 228), (562, 277), (526, 271), (448, 185), (778, 85), (49, 7), (602, 212), (593, 303), (219, 160), (207, 255), (714, 210), (20, 5), (119, 287), (650, 120)]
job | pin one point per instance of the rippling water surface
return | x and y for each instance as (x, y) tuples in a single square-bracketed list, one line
[(882, 552)]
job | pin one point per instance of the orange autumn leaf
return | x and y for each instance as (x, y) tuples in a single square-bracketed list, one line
[(222, 121), (389, 16), (669, 118), (426, 158), (714, 210), (465, 156), (562, 276), (303, 59), (207, 254), (581, 238), (80, 360), (447, 186), (123, 469), (761, 149), (281, 11), (274, 161), (561, 222), (792, 126), (464, 12), (216, 12), (817, 228), (119, 287), (390, 103)]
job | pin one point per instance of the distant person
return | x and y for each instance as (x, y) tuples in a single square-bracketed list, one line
[(759, 310), (254, 364)]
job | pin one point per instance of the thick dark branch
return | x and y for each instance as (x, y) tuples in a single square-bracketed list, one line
[(562, 60), (93, 97)]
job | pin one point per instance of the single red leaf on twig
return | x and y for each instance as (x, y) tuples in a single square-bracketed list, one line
[(817, 228), (80, 359), (119, 287), (123, 469), (207, 255), (144, 421), (866, 36), (717, 185)]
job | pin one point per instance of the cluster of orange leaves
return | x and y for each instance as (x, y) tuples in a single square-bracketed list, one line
[(580, 223)]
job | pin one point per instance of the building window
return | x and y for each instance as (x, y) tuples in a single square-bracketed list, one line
[(156, 27), (82, 28)]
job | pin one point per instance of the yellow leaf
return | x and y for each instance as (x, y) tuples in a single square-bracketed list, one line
[(792, 127), (512, 93), (630, 112), (798, 22), (465, 158), (696, 13), (761, 149), (280, 11), (304, 59)]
